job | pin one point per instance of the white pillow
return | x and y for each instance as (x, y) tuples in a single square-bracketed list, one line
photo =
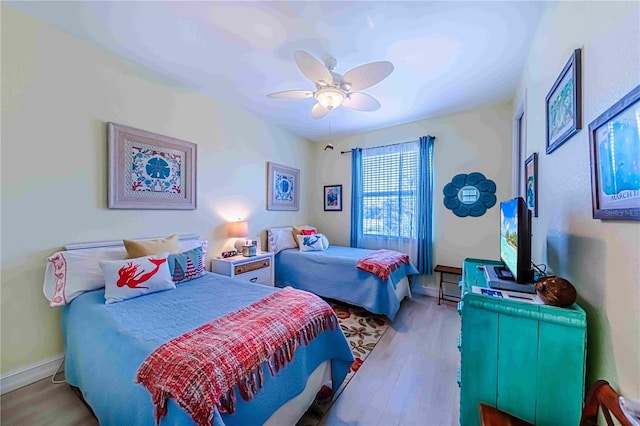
[(129, 278), (71, 273), (187, 245), (280, 239), (314, 242)]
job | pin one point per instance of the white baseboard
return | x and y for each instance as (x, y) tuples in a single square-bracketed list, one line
[(426, 291), (31, 374)]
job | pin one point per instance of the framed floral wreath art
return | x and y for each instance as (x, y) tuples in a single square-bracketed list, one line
[(469, 194), (150, 171)]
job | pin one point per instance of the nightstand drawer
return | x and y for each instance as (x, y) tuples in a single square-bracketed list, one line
[(256, 269), (252, 266), (257, 276)]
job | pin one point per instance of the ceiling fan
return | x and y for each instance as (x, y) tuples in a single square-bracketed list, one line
[(333, 89)]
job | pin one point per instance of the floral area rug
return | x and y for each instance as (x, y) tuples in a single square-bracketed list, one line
[(363, 330)]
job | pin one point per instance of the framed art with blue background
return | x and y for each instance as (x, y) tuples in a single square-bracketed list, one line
[(614, 139), (564, 104), (333, 198), (283, 187), (150, 171), (531, 183)]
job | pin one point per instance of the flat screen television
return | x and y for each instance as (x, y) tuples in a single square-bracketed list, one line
[(515, 240)]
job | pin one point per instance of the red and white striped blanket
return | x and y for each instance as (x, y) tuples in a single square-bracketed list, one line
[(200, 368), (383, 262)]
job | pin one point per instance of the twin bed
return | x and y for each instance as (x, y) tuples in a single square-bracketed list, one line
[(333, 273), (106, 344)]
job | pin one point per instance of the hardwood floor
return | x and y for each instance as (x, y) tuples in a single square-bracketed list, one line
[(408, 379), (45, 403)]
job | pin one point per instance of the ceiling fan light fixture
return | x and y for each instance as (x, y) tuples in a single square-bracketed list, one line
[(333, 89), (329, 97)]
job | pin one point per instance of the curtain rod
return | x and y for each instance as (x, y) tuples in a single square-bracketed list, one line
[(393, 144)]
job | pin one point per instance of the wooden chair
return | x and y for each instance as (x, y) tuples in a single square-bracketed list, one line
[(491, 416), (600, 396)]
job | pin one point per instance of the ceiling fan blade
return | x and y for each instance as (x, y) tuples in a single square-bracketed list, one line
[(366, 75), (318, 111), (361, 102), (291, 94), (312, 68)]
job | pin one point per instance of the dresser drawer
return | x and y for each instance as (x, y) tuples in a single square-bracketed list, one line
[(257, 276), (251, 266)]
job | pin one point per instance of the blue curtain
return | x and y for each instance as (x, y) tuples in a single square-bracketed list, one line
[(356, 197), (425, 203)]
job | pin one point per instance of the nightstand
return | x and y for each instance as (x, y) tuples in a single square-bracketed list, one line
[(257, 269)]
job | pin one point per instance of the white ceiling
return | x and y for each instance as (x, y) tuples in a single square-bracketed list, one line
[(448, 56)]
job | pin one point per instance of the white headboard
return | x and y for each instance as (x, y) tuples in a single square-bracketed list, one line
[(115, 243)]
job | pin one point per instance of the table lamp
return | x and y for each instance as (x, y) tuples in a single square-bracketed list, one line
[(239, 230)]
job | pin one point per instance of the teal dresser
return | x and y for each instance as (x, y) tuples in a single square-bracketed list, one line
[(526, 359)]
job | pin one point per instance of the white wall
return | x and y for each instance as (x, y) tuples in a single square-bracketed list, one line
[(477, 140), (58, 93), (600, 258)]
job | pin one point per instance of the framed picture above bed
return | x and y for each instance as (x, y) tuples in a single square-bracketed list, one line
[(333, 198), (283, 187), (150, 171)]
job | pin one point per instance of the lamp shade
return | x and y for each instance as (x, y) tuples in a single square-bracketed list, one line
[(238, 229)]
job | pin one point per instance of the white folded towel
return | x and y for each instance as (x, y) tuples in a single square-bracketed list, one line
[(631, 409)]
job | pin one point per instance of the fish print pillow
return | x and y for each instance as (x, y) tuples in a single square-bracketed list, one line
[(129, 278), (314, 242)]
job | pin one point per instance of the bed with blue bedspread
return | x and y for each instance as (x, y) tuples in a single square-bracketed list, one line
[(107, 343), (332, 273)]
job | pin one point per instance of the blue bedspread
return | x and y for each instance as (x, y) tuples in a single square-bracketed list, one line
[(106, 344), (333, 273)]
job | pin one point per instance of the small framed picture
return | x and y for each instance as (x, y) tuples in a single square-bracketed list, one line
[(614, 139), (564, 104), (255, 241), (333, 198), (531, 183)]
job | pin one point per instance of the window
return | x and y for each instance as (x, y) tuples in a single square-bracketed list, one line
[(392, 199), (390, 190)]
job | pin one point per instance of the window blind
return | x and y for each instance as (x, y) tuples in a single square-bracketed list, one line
[(389, 190)]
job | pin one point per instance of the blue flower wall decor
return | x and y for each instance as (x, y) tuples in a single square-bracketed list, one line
[(469, 195)]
